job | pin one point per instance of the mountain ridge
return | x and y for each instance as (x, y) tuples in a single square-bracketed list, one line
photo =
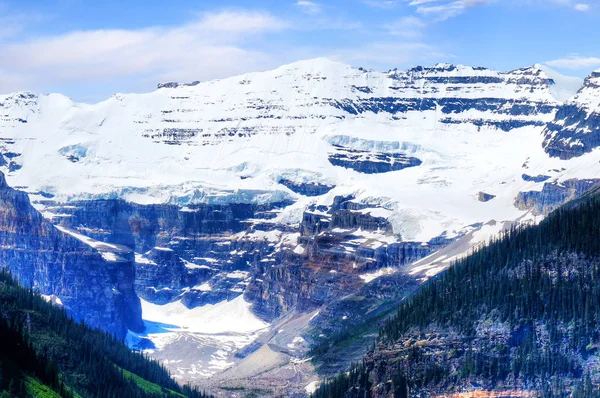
[(322, 64)]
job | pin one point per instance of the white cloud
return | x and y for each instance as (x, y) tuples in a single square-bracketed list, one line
[(215, 45), (309, 7), (582, 7), (385, 55), (10, 81), (9, 27), (444, 9), (239, 21), (407, 27), (14, 22), (575, 62), (385, 4)]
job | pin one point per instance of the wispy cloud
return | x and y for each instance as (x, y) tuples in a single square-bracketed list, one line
[(390, 54), (583, 7), (385, 4), (215, 45), (444, 9), (575, 62), (9, 28), (409, 27), (14, 22), (309, 7)]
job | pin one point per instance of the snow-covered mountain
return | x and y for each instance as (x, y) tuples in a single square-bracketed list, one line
[(298, 186), (236, 140)]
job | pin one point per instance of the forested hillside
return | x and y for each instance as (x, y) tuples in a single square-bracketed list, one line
[(44, 353), (518, 317)]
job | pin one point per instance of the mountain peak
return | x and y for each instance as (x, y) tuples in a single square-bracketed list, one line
[(313, 65), (316, 64), (444, 65)]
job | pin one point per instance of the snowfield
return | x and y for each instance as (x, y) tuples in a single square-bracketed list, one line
[(233, 140), (226, 317), (203, 339)]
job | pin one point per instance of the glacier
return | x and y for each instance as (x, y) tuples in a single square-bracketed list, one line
[(235, 140)]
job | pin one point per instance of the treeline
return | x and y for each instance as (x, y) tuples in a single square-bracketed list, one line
[(354, 383), (40, 340), (548, 272), (545, 276)]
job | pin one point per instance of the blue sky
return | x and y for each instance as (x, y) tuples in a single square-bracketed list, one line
[(92, 49)]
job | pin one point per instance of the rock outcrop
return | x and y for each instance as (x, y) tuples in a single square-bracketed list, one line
[(371, 162), (539, 178), (553, 195), (485, 197), (576, 127), (306, 188), (337, 246), (94, 285)]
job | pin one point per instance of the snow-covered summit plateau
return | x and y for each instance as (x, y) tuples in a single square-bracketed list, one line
[(422, 143)]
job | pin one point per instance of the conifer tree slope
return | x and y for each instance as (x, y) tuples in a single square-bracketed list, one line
[(45, 353), (520, 314)]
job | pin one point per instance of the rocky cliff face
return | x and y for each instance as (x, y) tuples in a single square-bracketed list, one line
[(205, 254), (199, 254), (336, 248), (94, 285), (553, 195), (576, 127)]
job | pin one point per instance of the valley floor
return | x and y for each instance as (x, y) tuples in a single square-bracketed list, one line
[(227, 350)]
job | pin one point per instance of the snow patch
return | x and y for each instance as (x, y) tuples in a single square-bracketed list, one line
[(299, 249), (225, 317), (238, 275), (53, 299), (312, 387), (205, 287), (370, 277), (140, 259)]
